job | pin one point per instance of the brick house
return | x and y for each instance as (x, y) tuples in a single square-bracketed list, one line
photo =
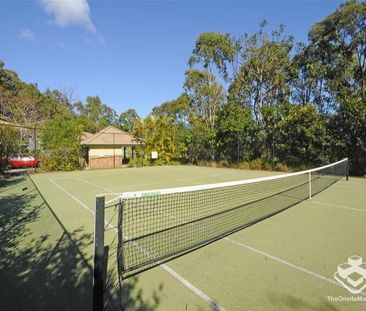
[(109, 148)]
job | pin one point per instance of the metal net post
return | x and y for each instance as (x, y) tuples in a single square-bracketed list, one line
[(310, 185)]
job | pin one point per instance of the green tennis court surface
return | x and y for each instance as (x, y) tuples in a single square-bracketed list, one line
[(283, 262)]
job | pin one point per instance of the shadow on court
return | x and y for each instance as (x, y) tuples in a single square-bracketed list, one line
[(43, 266), (288, 302)]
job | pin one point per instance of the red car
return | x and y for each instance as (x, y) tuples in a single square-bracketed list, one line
[(22, 161)]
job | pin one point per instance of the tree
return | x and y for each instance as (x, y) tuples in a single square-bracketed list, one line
[(300, 135), (160, 134), (94, 115), (348, 130), (177, 108), (178, 111), (310, 85), (262, 79), (214, 49), (63, 100), (206, 99), (235, 132), (60, 143), (338, 43), (127, 120)]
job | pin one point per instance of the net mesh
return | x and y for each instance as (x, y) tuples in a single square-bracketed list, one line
[(160, 225)]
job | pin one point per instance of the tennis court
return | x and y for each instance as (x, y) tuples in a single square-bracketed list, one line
[(283, 262)]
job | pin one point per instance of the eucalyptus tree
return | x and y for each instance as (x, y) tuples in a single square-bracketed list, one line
[(127, 120), (206, 99), (94, 115), (177, 108), (212, 54), (338, 44), (264, 70), (309, 85)]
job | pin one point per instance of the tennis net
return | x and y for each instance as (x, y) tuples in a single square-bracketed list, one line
[(158, 225)]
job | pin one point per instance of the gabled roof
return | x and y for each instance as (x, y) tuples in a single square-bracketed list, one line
[(109, 136), (86, 135)]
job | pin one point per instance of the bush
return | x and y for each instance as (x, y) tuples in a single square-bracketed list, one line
[(280, 167), (255, 164), (60, 145), (60, 160), (244, 165), (224, 163)]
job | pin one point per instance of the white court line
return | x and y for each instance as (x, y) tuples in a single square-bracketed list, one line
[(104, 189), (70, 195), (92, 184), (173, 273), (314, 274), (339, 206)]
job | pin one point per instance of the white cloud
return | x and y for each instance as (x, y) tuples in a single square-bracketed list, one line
[(69, 12), (27, 34)]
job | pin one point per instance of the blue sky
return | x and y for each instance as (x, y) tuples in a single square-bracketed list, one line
[(133, 54)]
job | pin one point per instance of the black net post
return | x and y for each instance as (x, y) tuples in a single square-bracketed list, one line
[(99, 268), (347, 169)]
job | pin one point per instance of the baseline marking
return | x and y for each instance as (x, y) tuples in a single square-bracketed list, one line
[(172, 272), (314, 274)]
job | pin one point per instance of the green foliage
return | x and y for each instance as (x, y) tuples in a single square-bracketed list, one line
[(10, 143), (214, 49), (235, 132), (338, 43), (262, 79), (178, 109), (300, 135), (24, 104), (348, 130), (127, 120), (206, 99), (94, 115), (60, 145), (160, 134)]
